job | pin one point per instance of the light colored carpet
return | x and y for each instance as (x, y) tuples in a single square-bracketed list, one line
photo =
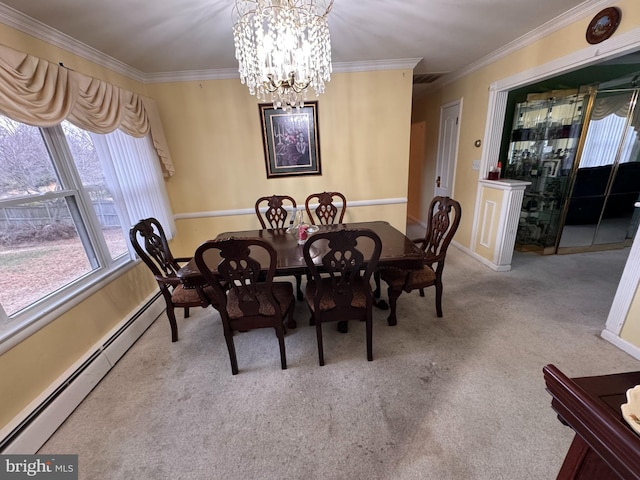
[(461, 397)]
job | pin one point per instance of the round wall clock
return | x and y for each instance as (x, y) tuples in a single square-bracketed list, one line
[(603, 25)]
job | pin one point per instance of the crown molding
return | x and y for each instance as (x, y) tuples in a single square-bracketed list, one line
[(41, 31), (374, 65), (191, 75), (592, 54), (585, 9), (226, 73)]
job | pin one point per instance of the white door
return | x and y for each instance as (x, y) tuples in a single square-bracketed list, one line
[(447, 148)]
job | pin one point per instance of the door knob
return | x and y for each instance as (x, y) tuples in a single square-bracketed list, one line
[(438, 181)]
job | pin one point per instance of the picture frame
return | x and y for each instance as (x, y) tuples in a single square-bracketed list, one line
[(291, 140), (550, 167), (603, 25)]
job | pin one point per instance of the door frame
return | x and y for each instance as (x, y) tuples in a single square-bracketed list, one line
[(627, 42)]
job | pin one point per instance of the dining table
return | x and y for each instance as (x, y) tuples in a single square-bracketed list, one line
[(397, 251), (605, 446)]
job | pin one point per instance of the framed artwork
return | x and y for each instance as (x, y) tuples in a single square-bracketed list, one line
[(603, 24), (550, 168), (291, 140)]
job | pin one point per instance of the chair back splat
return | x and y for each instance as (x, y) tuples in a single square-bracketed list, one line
[(327, 212), (339, 288), (245, 296), (276, 214), (443, 221), (150, 243)]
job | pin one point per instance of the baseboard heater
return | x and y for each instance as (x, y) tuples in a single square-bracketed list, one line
[(33, 427)]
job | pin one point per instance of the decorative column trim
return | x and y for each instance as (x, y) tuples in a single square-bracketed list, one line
[(627, 288), (507, 228)]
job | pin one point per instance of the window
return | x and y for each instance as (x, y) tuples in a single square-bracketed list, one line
[(63, 212)]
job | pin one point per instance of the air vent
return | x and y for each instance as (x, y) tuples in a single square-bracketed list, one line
[(422, 78)]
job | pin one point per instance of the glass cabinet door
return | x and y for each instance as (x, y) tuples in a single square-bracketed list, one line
[(607, 181), (542, 149)]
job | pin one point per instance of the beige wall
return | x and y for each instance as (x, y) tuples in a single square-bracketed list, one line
[(213, 132), (474, 90), (416, 155), (631, 328)]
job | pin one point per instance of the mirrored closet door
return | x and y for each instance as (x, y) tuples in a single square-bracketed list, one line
[(605, 187)]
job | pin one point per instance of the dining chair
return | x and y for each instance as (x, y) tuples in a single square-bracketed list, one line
[(244, 301), (340, 289), (275, 216), (327, 211), (442, 223), (150, 243)]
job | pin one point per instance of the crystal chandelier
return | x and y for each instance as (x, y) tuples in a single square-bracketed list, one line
[(283, 47)]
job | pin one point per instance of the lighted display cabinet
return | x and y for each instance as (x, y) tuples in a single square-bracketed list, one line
[(542, 148)]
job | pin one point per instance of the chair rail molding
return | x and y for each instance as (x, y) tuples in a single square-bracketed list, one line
[(252, 211)]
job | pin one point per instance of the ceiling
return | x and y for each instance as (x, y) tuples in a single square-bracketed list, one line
[(171, 36)]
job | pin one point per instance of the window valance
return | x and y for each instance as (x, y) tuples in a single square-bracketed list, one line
[(40, 93)]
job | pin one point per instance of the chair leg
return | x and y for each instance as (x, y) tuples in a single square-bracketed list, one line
[(393, 301), (186, 312), (228, 336), (312, 319), (299, 293), (283, 356), (369, 329), (376, 279), (422, 292), (439, 297), (291, 322), (320, 349), (172, 322)]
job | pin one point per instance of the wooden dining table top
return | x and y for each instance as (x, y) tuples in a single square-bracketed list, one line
[(397, 249)]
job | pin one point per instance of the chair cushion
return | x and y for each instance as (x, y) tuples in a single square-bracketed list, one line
[(189, 296), (282, 291), (421, 278), (407, 280), (359, 299)]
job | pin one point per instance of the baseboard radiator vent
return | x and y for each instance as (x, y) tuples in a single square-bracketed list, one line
[(35, 424)]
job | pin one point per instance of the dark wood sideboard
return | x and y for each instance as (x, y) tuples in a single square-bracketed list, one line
[(604, 447)]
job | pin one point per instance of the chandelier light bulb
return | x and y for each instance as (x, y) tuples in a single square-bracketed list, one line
[(283, 47)]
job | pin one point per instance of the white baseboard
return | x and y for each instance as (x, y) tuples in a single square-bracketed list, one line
[(48, 414), (491, 265), (413, 219), (621, 344)]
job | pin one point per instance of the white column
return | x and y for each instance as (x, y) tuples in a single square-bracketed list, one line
[(497, 223)]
